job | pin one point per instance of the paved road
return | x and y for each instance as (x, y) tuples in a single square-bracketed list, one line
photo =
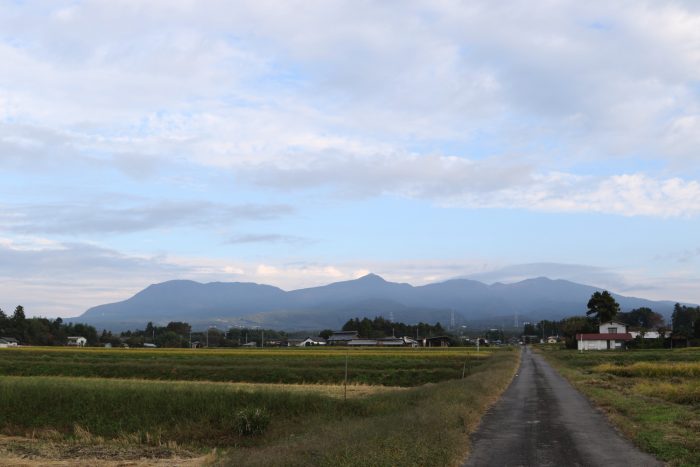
[(541, 420)]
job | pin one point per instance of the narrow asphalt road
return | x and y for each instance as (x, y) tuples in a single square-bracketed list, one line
[(541, 420)]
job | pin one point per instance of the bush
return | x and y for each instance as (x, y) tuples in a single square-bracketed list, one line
[(251, 421)]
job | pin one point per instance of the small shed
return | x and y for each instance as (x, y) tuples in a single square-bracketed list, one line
[(77, 341)]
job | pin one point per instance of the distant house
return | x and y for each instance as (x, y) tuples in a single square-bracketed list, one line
[(250, 344), (6, 342), (77, 341), (149, 345), (397, 341), (649, 334), (362, 342), (342, 337), (611, 335), (309, 341), (437, 341)]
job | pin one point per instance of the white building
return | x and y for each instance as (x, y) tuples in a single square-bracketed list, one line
[(77, 341), (309, 341), (611, 335), (649, 334), (8, 342)]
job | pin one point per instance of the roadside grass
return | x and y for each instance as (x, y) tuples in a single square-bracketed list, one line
[(652, 396), (389, 367), (262, 424), (427, 425)]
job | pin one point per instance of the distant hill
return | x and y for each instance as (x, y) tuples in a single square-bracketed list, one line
[(329, 306)]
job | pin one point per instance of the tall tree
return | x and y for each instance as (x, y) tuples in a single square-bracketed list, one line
[(603, 306), (684, 319)]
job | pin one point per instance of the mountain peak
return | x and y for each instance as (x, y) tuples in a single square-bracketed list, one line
[(371, 277)]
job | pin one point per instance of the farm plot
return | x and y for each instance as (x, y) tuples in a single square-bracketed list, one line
[(390, 367), (184, 403), (653, 396)]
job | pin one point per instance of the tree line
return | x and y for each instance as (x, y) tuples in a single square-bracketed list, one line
[(382, 327), (43, 331), (180, 334)]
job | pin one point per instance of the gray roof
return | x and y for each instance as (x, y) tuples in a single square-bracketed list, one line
[(343, 336)]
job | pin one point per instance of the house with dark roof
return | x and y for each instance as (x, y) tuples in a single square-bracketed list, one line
[(437, 341), (611, 335), (342, 337)]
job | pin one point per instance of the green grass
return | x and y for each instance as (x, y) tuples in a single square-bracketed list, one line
[(390, 367), (184, 412), (653, 396), (261, 424)]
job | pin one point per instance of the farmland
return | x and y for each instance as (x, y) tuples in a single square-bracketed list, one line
[(653, 396), (255, 406)]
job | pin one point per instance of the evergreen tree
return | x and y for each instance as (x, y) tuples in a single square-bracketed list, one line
[(603, 306)]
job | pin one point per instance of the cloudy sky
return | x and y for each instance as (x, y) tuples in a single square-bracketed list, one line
[(298, 143)]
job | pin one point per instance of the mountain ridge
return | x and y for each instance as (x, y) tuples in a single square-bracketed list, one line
[(329, 306)]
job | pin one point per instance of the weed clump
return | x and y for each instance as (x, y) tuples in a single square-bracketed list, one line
[(251, 421)]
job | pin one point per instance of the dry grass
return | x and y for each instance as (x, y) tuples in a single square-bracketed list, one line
[(43, 451), (652, 369), (678, 392)]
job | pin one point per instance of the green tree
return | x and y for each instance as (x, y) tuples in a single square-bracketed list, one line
[(569, 327), (179, 328), (684, 320), (603, 307), (642, 318), (4, 323), (18, 324)]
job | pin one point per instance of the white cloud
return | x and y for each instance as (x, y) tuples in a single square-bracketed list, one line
[(340, 93)]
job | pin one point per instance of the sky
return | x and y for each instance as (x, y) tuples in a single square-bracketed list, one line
[(298, 143)]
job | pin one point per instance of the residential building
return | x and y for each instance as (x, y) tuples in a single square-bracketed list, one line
[(77, 341), (611, 335)]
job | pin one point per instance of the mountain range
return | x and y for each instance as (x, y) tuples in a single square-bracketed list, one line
[(462, 301)]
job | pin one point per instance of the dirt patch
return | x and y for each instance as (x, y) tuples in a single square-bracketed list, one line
[(18, 451)]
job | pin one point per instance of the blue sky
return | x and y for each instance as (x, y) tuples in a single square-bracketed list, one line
[(300, 143)]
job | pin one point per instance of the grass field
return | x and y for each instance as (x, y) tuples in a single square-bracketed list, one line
[(257, 407), (390, 367), (653, 396)]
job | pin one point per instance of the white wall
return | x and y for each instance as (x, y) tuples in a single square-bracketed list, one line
[(598, 345), (603, 328)]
